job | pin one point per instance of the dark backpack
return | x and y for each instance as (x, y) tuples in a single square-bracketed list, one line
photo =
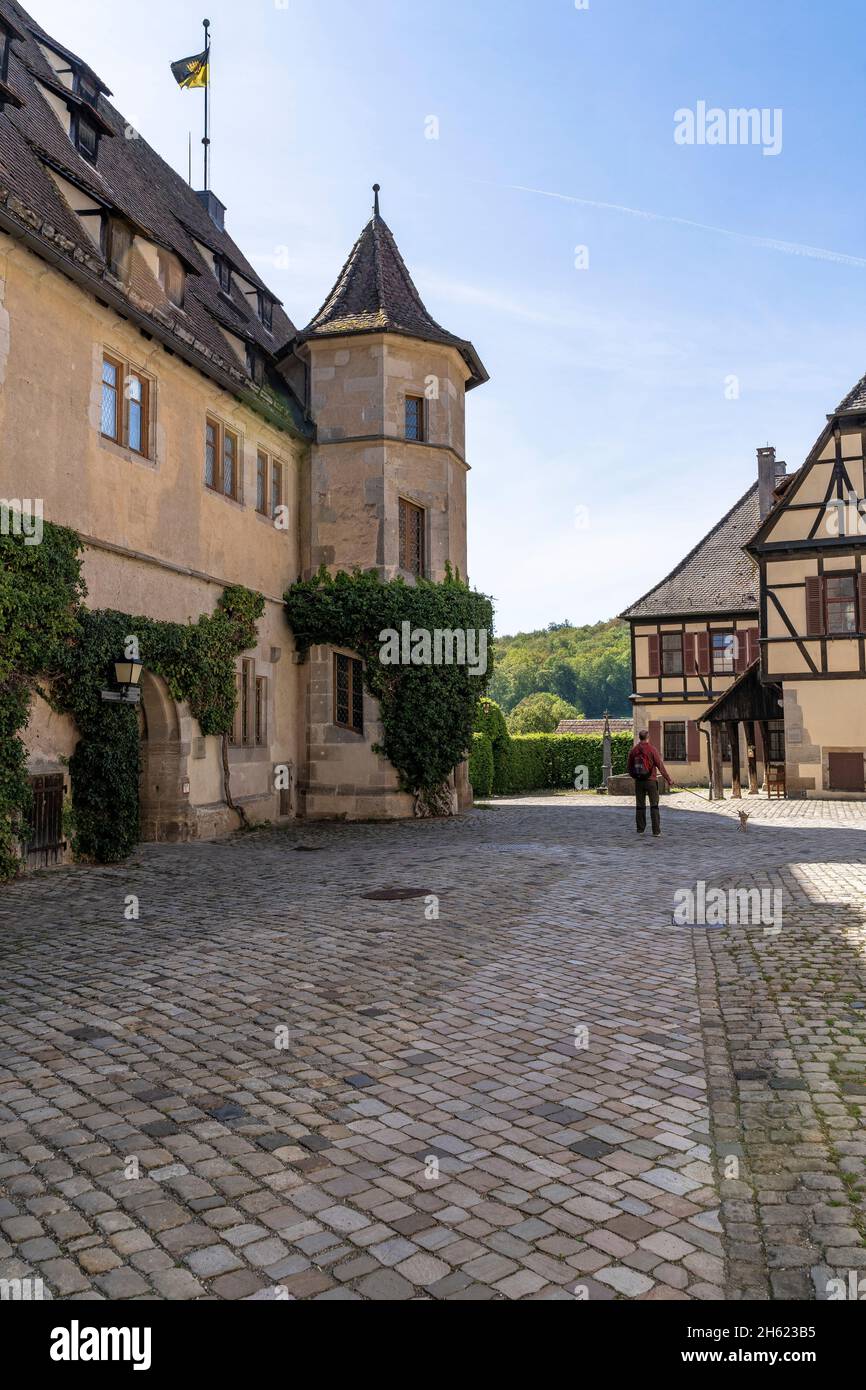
[(641, 764)]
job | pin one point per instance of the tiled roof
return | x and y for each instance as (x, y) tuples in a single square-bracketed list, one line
[(856, 397), (375, 294), (715, 577), (131, 180), (593, 726)]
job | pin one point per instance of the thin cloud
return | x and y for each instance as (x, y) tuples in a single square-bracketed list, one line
[(788, 248)]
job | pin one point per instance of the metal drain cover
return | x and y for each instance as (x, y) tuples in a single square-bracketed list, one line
[(394, 895)]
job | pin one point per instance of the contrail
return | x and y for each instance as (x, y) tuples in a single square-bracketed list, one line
[(790, 248)]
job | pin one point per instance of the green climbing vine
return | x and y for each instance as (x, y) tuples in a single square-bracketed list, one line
[(46, 633), (40, 594), (427, 709), (197, 662)]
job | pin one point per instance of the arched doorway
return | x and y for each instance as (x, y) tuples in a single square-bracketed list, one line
[(163, 764)]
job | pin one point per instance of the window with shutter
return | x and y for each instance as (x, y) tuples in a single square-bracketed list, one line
[(725, 649), (840, 603), (672, 654), (674, 741), (814, 606), (693, 742)]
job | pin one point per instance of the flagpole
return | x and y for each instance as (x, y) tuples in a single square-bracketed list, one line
[(206, 140)]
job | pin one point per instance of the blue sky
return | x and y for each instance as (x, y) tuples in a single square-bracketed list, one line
[(609, 385)]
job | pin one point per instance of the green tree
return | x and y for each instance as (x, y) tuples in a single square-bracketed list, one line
[(540, 714)]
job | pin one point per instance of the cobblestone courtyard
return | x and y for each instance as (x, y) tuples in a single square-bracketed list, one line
[(273, 1085)]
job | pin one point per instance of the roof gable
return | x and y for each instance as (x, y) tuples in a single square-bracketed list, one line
[(715, 577)]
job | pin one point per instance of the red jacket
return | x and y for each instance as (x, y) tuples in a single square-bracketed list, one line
[(657, 764)]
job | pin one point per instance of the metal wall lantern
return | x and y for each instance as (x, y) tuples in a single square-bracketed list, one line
[(127, 675)]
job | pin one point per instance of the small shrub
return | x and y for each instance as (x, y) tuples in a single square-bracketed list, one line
[(481, 766)]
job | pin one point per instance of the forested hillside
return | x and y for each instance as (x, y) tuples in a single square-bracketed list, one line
[(589, 667)]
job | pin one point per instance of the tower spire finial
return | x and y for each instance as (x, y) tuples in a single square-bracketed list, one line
[(376, 188)]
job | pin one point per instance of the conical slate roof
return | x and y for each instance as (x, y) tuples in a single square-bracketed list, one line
[(375, 293)]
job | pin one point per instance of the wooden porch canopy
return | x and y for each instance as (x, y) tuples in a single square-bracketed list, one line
[(751, 702)]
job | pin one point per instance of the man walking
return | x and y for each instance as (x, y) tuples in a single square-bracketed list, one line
[(644, 765)]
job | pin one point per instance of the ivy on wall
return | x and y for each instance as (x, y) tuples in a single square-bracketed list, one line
[(41, 591), (48, 633), (427, 711), (197, 662)]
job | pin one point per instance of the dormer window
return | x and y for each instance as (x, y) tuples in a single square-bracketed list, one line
[(223, 273), (255, 364), (5, 44), (84, 136), (7, 34), (86, 89), (172, 277), (266, 311), (118, 238)]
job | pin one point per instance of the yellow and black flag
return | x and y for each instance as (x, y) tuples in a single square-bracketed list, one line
[(192, 72)]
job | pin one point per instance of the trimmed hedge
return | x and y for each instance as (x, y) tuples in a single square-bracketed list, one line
[(481, 766), (547, 762)]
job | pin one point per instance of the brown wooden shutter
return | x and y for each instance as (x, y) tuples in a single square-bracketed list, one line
[(654, 728), (690, 661), (861, 603), (655, 664), (704, 653), (693, 742), (753, 647), (741, 650), (814, 605)]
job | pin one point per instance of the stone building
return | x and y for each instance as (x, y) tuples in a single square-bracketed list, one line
[(156, 397)]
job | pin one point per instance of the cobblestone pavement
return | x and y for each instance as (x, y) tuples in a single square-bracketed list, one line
[(271, 1085)]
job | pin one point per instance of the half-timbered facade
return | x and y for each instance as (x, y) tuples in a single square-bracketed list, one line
[(691, 637), (695, 635), (811, 555)]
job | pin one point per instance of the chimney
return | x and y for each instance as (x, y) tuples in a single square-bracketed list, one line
[(215, 210), (770, 471)]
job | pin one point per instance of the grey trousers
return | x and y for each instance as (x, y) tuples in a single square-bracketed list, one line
[(647, 791)]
